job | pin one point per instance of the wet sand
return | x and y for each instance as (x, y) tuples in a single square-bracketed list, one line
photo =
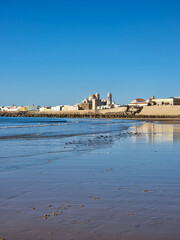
[(127, 187)]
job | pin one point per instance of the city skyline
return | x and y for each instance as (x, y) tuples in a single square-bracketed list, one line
[(95, 102), (61, 51)]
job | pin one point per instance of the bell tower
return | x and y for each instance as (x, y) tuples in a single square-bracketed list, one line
[(109, 98), (97, 96)]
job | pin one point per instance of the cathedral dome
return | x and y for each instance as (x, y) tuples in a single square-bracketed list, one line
[(92, 96)]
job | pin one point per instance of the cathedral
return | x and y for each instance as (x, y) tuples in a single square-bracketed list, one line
[(94, 102)]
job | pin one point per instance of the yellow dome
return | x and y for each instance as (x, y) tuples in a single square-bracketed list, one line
[(92, 96)]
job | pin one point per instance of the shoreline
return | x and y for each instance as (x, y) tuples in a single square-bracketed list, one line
[(94, 115)]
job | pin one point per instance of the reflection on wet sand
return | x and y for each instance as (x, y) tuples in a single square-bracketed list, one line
[(159, 132)]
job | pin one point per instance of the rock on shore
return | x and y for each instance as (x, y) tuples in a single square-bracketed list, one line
[(89, 114)]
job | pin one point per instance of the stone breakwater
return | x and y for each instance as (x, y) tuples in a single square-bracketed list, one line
[(86, 114)]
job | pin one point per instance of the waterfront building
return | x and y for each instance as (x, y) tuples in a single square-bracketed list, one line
[(94, 102), (70, 108), (22, 109), (155, 101), (12, 108), (57, 108), (31, 108), (109, 98), (45, 109), (166, 101), (138, 102)]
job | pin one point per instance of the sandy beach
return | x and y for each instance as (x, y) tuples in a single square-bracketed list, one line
[(120, 184)]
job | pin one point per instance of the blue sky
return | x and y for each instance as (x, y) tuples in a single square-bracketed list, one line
[(59, 52)]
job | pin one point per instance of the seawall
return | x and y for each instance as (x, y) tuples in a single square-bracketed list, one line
[(160, 111)]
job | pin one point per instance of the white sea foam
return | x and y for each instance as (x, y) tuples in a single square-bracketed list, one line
[(39, 125)]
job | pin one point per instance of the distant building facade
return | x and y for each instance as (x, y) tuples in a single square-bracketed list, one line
[(45, 109), (155, 101), (166, 101), (56, 108), (70, 108), (138, 102), (12, 108), (31, 108), (109, 99)]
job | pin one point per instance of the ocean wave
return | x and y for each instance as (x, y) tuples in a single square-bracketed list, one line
[(56, 136), (38, 125)]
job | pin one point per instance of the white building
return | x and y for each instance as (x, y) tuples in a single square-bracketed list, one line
[(154, 101), (57, 108), (138, 102), (10, 108), (70, 108)]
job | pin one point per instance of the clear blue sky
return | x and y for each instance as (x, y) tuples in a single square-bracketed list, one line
[(59, 52)]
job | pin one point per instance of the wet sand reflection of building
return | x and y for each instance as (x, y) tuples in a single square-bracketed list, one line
[(160, 132)]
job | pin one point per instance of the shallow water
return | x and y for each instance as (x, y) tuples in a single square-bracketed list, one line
[(89, 179), (34, 141)]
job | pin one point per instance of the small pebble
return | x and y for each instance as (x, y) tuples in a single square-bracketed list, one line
[(94, 197), (45, 216), (133, 213), (55, 214)]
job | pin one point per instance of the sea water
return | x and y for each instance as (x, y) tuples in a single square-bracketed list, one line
[(33, 141)]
